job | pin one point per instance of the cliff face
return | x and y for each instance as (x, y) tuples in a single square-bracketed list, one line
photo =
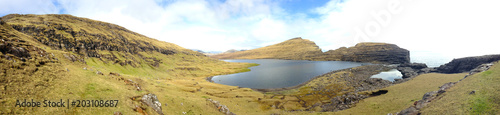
[(466, 64), (301, 49), (90, 38), (368, 52), (296, 49)]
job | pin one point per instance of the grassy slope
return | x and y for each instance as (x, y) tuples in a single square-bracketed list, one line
[(180, 78), (401, 96), (457, 99), (296, 48)]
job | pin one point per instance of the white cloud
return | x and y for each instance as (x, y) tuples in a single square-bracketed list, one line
[(453, 28), (27, 6)]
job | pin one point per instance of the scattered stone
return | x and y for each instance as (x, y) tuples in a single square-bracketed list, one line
[(222, 108), (67, 69), (99, 73), (472, 92), (152, 101), (409, 111), (343, 102), (136, 85), (84, 68), (115, 74)]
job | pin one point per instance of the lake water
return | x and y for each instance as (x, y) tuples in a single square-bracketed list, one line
[(273, 73), (389, 75)]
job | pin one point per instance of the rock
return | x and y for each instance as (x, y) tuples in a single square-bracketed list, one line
[(343, 102), (428, 95), (84, 68), (428, 70), (152, 101), (117, 113), (409, 111), (444, 87), (466, 64), (222, 108), (99, 73), (472, 92), (115, 74), (407, 72), (414, 65), (480, 68), (370, 52)]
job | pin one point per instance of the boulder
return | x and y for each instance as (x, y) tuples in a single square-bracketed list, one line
[(152, 101), (466, 64), (409, 111)]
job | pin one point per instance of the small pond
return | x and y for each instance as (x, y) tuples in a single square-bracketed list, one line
[(389, 75)]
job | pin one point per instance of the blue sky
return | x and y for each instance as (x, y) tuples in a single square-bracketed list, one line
[(451, 28)]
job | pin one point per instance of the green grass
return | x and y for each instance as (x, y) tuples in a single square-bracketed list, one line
[(457, 99), (402, 96)]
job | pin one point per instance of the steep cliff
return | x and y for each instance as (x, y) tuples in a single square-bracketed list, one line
[(368, 52)]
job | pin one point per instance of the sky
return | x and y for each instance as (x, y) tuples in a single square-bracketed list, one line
[(428, 28)]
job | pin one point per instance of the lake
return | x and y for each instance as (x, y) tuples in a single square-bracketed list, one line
[(274, 73), (389, 75)]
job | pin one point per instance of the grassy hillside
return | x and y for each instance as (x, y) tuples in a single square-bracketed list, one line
[(57, 57), (459, 100), (401, 96), (296, 48)]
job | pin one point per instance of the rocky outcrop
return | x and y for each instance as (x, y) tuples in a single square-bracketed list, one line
[(343, 102), (466, 64), (222, 108), (368, 52), (410, 70)]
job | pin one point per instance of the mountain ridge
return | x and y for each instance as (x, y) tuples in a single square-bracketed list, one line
[(294, 49)]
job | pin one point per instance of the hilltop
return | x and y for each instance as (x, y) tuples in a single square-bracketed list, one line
[(303, 49), (296, 49)]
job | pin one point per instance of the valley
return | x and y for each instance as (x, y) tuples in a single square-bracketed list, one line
[(63, 57)]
